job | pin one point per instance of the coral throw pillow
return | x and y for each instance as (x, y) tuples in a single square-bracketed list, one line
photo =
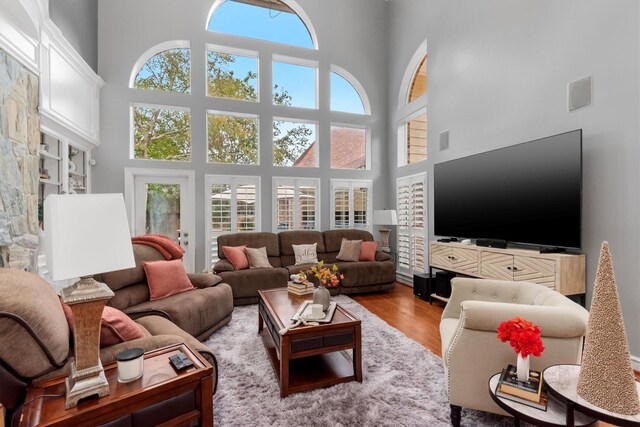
[(166, 278), (115, 327), (236, 256), (368, 251)]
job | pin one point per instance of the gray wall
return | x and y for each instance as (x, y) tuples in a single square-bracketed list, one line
[(498, 71), (78, 22), (351, 35)]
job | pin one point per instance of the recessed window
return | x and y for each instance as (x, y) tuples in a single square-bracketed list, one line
[(344, 97), (294, 85), (296, 204), (232, 139), (232, 76), (416, 131), (348, 148), (270, 20), (161, 134), (419, 82), (169, 71), (294, 144)]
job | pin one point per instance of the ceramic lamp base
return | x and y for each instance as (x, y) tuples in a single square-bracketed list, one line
[(384, 239)]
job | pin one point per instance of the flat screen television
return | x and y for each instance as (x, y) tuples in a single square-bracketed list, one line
[(528, 193)]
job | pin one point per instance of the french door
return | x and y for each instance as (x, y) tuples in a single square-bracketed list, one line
[(162, 202)]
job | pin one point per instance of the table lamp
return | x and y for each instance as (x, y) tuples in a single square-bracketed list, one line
[(385, 217), (86, 234)]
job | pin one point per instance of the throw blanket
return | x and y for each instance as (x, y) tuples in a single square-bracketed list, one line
[(167, 247)]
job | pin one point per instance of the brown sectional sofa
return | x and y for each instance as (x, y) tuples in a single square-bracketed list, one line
[(361, 276)]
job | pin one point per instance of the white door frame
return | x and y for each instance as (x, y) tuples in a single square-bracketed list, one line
[(189, 220)]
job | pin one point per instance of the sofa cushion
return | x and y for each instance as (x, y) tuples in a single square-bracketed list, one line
[(300, 237), (305, 254), (368, 251), (366, 273), (258, 257), (349, 250), (31, 304), (250, 240), (236, 256), (333, 238), (131, 276), (166, 278), (246, 283)]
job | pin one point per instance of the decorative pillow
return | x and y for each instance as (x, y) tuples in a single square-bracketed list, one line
[(236, 256), (166, 278), (368, 251), (115, 327), (305, 254), (349, 250), (258, 257)]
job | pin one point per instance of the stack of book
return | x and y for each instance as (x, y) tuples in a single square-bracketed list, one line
[(528, 393), (300, 288)]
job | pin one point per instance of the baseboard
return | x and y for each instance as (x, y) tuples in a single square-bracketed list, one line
[(404, 280)]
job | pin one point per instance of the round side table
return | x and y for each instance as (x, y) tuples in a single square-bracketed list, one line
[(555, 415), (562, 383)]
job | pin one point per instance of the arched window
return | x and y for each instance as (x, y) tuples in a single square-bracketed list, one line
[(270, 20), (345, 97), (168, 70), (412, 126)]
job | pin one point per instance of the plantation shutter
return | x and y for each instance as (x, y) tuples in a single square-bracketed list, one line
[(351, 204), (296, 204), (412, 227)]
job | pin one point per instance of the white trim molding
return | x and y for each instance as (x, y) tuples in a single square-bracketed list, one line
[(356, 85)]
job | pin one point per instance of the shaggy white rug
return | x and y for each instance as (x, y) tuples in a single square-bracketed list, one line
[(403, 383)]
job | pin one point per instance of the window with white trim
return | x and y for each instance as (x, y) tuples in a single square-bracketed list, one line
[(296, 204), (412, 126), (351, 204), (412, 225), (161, 133), (232, 206), (232, 138)]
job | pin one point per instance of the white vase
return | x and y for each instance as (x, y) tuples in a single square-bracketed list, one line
[(522, 368)]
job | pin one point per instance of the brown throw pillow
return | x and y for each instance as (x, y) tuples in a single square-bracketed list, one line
[(258, 257), (166, 278), (349, 250)]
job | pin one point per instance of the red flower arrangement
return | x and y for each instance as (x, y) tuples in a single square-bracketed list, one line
[(523, 336), (329, 277)]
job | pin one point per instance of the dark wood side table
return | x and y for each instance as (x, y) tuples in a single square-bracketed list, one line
[(161, 396), (554, 416), (562, 381)]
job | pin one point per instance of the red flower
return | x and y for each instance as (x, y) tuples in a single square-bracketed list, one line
[(523, 336)]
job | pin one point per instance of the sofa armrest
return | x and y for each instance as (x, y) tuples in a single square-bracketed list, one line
[(381, 256), (554, 321), (204, 280), (223, 265)]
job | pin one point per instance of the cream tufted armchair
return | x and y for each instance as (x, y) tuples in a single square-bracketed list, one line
[(471, 350)]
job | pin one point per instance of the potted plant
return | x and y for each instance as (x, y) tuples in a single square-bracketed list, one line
[(524, 338), (326, 277)]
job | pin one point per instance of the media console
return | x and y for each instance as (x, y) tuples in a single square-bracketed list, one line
[(560, 271)]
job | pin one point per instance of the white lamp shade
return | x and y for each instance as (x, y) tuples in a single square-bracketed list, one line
[(86, 234), (385, 217)]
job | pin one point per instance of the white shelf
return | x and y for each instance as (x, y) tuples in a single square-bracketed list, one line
[(49, 155)]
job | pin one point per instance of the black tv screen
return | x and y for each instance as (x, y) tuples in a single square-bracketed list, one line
[(528, 193)]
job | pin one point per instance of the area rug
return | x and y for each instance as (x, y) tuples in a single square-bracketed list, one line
[(403, 383)]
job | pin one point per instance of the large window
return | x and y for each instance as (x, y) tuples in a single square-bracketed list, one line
[(232, 205), (412, 225), (169, 71), (161, 133), (412, 125), (348, 147), (351, 204), (232, 76), (294, 144), (296, 204), (232, 138), (295, 85), (344, 97)]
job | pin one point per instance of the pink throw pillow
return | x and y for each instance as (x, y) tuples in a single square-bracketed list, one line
[(368, 251), (236, 256), (166, 278), (115, 327)]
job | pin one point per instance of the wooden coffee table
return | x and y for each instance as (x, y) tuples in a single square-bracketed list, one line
[(308, 357)]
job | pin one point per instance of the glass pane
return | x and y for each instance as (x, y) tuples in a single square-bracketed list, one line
[(341, 213), (419, 83), (232, 76), (232, 139), (276, 23), (161, 134), (348, 148), (294, 85), (246, 207), (168, 71), (344, 97), (220, 207), (294, 144), (285, 207), (360, 207), (307, 196), (417, 139), (162, 213)]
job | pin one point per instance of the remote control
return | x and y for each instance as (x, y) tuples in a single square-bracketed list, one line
[(180, 361)]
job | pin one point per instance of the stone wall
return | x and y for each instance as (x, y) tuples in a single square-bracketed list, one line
[(19, 158)]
